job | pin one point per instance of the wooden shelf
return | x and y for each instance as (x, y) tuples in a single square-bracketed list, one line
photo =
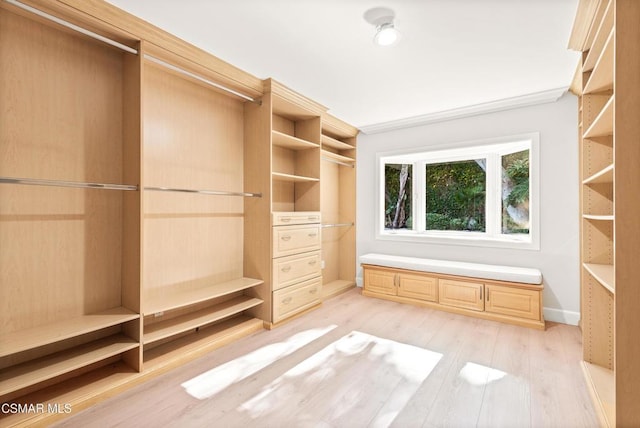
[(278, 176), (289, 142), (336, 144), (601, 384), (604, 274), (604, 31), (41, 369), (333, 288), (601, 78), (606, 217), (177, 298), (23, 340), (176, 352), (168, 328), (603, 123), (603, 176), (338, 157)]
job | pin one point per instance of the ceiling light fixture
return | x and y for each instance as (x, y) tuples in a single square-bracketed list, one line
[(386, 32)]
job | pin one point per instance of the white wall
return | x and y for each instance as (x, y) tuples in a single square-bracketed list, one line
[(558, 257)]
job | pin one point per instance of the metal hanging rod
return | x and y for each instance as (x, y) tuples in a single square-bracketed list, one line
[(337, 225), (200, 78), (328, 159), (72, 26), (205, 192), (62, 183)]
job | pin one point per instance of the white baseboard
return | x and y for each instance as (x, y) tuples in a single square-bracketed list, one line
[(359, 281), (564, 317)]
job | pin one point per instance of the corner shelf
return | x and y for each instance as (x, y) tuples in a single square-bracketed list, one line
[(604, 274), (601, 384), (41, 369), (601, 78), (606, 217), (287, 141), (178, 298), (603, 34), (603, 123), (603, 176), (35, 337), (193, 320)]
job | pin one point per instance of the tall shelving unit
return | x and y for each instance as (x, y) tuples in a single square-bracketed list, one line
[(338, 198), (70, 212), (608, 34), (283, 148)]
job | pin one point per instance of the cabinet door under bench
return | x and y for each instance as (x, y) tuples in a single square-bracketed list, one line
[(511, 302)]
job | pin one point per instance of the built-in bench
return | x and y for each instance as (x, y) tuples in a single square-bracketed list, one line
[(502, 293)]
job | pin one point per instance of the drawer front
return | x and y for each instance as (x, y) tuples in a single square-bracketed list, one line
[(516, 302), (418, 287), (296, 298), (461, 294), (291, 269), (380, 281), (288, 240), (295, 217)]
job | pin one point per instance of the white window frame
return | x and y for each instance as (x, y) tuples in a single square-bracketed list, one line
[(490, 149)]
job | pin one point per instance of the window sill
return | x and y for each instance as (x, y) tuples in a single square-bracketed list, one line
[(472, 239)]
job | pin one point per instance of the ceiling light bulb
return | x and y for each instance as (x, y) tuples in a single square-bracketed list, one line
[(386, 35)]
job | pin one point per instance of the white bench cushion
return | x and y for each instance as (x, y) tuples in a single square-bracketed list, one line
[(474, 270)]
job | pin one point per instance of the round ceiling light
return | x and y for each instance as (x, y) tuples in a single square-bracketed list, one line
[(382, 18)]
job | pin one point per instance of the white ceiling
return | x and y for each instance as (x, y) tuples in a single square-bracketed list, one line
[(453, 53)]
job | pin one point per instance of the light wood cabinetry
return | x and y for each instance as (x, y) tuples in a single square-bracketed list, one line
[(304, 226), (608, 86), (338, 196), (461, 294), (514, 303)]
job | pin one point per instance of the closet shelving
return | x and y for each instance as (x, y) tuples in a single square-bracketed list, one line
[(69, 172), (338, 205), (193, 278), (609, 37)]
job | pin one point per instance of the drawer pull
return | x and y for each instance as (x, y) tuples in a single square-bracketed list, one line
[(287, 300), (286, 237), (314, 291), (312, 262), (312, 217), (311, 235), (285, 219), (286, 268)]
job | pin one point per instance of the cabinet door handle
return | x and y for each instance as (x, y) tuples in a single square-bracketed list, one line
[(487, 296), (312, 262), (287, 300), (286, 268), (285, 237), (480, 293)]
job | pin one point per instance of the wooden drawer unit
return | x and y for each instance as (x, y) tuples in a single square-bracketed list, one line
[(381, 281), (295, 217), (511, 301), (461, 294), (292, 269), (296, 298), (418, 287), (288, 240)]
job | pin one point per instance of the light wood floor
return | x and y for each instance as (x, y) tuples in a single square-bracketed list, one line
[(359, 362)]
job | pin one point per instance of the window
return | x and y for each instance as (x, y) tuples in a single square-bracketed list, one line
[(478, 193)]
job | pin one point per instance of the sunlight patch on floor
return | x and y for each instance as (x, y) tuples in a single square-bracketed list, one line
[(215, 380), (478, 375), (365, 364)]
